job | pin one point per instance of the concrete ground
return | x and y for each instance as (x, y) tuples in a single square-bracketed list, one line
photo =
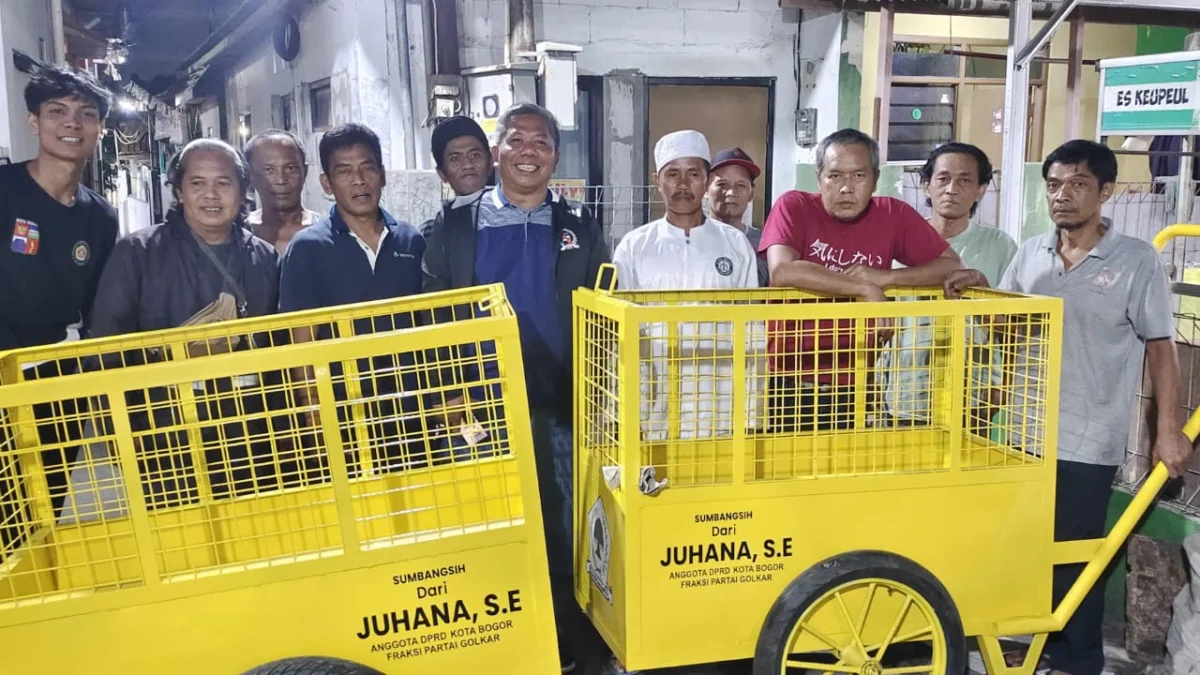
[(1118, 663)]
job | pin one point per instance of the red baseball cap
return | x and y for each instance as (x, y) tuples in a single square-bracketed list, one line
[(737, 157)]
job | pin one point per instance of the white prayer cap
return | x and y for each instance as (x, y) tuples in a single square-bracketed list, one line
[(680, 144)]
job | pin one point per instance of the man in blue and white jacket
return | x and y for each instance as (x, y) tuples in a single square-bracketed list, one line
[(541, 248)]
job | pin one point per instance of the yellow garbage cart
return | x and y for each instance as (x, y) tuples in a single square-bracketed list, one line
[(821, 484), (346, 485)]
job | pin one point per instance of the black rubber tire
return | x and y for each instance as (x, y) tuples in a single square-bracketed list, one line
[(818, 580), (312, 665)]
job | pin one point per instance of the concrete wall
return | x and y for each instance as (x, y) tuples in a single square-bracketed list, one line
[(25, 26), (629, 40), (353, 45)]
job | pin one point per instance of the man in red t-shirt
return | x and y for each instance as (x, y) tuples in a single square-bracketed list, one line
[(842, 242)]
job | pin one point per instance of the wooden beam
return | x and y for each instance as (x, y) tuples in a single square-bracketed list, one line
[(883, 81), (1074, 79)]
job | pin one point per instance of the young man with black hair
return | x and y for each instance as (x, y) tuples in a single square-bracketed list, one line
[(60, 232), (278, 168), (464, 159), (464, 162), (1117, 309), (60, 235)]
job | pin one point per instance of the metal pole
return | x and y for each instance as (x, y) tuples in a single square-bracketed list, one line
[(1016, 122), (1183, 205), (56, 27), (883, 80), (1031, 47)]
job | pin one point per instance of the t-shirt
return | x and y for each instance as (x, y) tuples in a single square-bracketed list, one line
[(887, 231), (904, 365), (984, 248), (660, 256), (51, 266)]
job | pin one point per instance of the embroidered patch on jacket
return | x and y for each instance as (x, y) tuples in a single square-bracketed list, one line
[(25, 237), (569, 241)]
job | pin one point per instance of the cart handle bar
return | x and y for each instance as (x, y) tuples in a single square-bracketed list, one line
[(1171, 232), (1129, 519)]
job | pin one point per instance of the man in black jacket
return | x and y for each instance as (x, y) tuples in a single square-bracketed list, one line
[(528, 238)]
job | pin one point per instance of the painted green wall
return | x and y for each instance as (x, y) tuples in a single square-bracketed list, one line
[(1160, 39), (1160, 524)]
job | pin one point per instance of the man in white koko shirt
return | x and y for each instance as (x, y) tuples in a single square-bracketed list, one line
[(686, 251), (683, 249)]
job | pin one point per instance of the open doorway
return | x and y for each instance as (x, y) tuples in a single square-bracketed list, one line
[(730, 112)]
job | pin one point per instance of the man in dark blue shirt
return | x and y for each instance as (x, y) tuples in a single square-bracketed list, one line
[(60, 235), (358, 254)]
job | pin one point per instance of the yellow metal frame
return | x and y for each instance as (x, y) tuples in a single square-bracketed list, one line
[(320, 567), (1097, 553), (653, 620)]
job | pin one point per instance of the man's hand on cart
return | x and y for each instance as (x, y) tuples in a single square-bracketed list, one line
[(874, 281), (1173, 449), (958, 281)]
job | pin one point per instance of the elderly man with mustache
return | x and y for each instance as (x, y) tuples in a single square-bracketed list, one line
[(684, 249)]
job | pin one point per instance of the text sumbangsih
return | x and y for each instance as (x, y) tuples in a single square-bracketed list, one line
[(428, 575), (723, 517)]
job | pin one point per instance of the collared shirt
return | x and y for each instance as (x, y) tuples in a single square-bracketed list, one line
[(660, 256), (517, 247), (371, 253), (1114, 301), (327, 265)]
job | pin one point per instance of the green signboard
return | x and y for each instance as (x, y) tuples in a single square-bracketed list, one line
[(1157, 97)]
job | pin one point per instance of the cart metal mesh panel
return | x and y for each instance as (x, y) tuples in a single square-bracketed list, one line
[(719, 387), (177, 455)]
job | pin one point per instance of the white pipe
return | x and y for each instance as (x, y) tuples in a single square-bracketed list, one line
[(405, 93), (56, 28), (1016, 118), (1183, 205)]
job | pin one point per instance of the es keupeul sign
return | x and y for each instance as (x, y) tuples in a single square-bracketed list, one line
[(1156, 95)]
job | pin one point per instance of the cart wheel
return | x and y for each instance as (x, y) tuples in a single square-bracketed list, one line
[(312, 665), (871, 613)]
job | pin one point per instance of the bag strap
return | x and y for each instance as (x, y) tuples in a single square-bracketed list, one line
[(234, 286)]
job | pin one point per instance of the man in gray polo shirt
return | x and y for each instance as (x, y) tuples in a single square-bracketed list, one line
[(1116, 307)]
